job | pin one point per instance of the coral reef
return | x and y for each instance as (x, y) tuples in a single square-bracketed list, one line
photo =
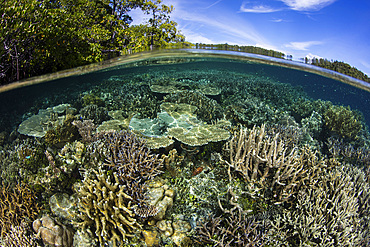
[(62, 133), (17, 205), (207, 109), (91, 99), (46, 119), (104, 206), (86, 129), (133, 161), (180, 122), (271, 172), (343, 121), (235, 230), (19, 236), (52, 232), (347, 153), (249, 112), (96, 113), (328, 215)]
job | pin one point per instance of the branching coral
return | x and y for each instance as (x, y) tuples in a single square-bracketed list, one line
[(329, 215), (86, 129), (235, 230), (18, 236), (94, 112), (104, 205), (133, 161), (272, 170), (343, 121), (16, 206)]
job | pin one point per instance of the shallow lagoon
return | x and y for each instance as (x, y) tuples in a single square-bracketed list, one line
[(221, 149)]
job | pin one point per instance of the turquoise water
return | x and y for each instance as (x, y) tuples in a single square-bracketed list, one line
[(189, 109)]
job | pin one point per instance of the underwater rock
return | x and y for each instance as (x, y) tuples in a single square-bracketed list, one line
[(175, 230), (63, 205), (52, 232)]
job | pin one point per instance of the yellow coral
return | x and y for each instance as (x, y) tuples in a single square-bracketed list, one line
[(104, 205)]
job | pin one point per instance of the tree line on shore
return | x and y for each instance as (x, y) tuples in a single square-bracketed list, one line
[(44, 36), (337, 66)]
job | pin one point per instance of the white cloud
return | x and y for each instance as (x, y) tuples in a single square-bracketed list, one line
[(213, 4), (307, 5), (217, 28), (257, 9), (196, 37), (302, 46)]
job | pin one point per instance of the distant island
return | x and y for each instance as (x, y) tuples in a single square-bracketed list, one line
[(340, 67)]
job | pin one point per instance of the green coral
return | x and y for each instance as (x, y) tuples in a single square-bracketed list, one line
[(343, 121), (66, 132), (92, 99)]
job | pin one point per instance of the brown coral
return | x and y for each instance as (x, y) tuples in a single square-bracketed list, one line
[(19, 236), (104, 205), (271, 169), (16, 206), (128, 155)]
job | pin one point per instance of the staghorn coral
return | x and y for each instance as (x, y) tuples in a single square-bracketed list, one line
[(19, 236), (126, 154), (17, 205), (133, 161), (348, 153), (104, 205), (86, 129), (335, 213), (272, 170), (234, 230), (343, 121)]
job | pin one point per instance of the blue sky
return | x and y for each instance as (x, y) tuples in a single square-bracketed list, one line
[(332, 29)]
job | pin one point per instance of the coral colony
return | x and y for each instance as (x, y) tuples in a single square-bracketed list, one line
[(187, 158)]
